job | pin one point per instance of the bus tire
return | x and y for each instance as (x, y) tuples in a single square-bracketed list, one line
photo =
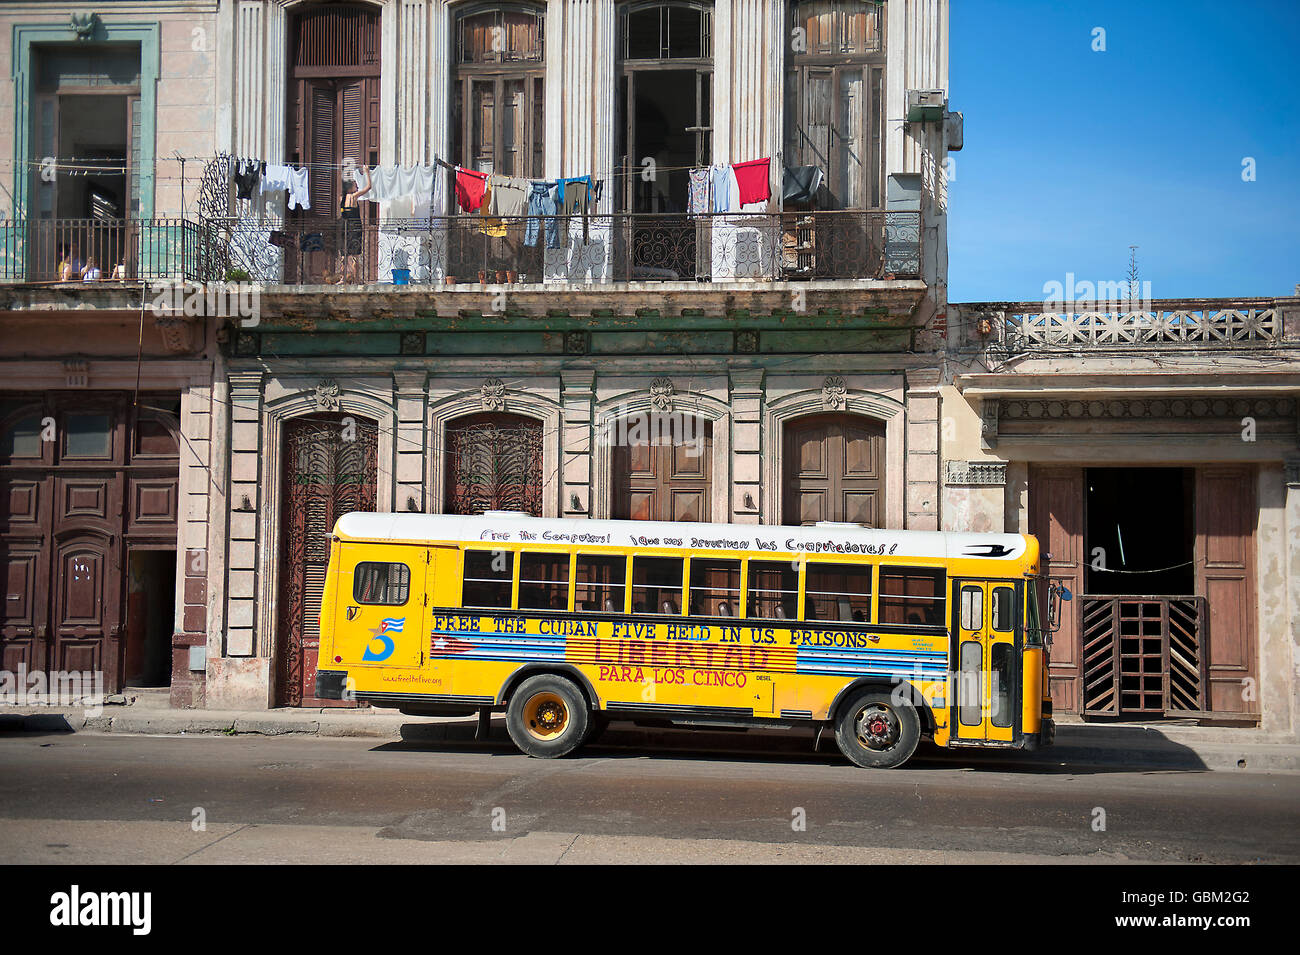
[(548, 716), (876, 731)]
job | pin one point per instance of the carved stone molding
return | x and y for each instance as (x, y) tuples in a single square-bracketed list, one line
[(835, 393), (989, 424), (177, 333), (976, 473), (76, 374), (83, 25), (662, 393), (493, 395), (746, 343), (1038, 409), (327, 396)]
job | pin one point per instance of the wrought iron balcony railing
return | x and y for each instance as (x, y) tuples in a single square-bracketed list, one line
[(579, 249), (595, 249), (466, 249), (52, 250)]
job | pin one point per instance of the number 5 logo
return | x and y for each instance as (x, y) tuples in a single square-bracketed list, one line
[(381, 633)]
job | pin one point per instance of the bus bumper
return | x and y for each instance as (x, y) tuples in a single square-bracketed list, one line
[(330, 684), (1045, 736)]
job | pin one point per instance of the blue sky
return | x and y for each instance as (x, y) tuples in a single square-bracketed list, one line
[(1072, 155)]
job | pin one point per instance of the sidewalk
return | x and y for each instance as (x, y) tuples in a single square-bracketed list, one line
[(1119, 746)]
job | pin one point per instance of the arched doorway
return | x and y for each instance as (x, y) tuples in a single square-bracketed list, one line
[(330, 468), (834, 470), (494, 462), (662, 468)]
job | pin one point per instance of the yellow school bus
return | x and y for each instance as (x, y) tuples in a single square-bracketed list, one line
[(885, 637)]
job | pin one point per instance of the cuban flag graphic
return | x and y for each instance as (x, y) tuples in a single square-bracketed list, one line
[(380, 634)]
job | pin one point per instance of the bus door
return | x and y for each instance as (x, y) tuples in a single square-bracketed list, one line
[(381, 598), (985, 661)]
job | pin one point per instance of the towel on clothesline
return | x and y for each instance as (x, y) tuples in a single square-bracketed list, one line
[(752, 181)]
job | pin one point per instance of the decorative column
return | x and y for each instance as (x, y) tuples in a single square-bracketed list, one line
[(245, 475), (410, 398), (747, 503), (922, 455), (577, 398)]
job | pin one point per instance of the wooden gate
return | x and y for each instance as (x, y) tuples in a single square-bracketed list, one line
[(330, 468), (1142, 656)]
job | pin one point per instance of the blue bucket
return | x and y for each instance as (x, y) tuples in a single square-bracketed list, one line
[(401, 276)]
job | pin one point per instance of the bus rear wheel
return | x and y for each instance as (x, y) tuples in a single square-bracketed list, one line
[(876, 731), (547, 716)]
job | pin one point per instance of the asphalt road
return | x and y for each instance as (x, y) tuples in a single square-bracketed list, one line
[(87, 798)]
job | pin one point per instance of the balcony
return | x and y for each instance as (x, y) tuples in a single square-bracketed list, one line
[(461, 250), (1006, 329), (34, 250)]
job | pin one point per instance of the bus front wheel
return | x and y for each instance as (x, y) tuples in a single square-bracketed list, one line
[(547, 716), (877, 731)]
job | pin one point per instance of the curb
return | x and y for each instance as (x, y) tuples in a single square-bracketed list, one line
[(1077, 745)]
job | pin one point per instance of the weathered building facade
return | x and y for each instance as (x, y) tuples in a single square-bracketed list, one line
[(797, 361)]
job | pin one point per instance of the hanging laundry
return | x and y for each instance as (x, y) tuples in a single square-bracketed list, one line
[(752, 181), (398, 182), (575, 200), (277, 176), (248, 178), (470, 188), (574, 194), (697, 202), (509, 197), (404, 192), (726, 191), (543, 200)]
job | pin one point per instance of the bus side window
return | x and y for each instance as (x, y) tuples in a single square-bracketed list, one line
[(543, 581), (657, 584), (488, 576), (912, 595), (601, 582), (1004, 612), (715, 587), (838, 592), (773, 587), (380, 583)]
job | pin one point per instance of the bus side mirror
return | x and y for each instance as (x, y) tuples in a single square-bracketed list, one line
[(1056, 592)]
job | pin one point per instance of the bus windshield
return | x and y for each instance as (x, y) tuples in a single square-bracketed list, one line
[(1034, 626)]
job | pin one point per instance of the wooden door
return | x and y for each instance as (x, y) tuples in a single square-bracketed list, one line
[(330, 468), (662, 473), (25, 534), (834, 470), (1056, 519), (1225, 576), (86, 626)]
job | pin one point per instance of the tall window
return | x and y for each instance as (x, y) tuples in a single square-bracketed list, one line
[(834, 92), (498, 81)]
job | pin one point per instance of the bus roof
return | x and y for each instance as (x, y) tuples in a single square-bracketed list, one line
[(512, 527)]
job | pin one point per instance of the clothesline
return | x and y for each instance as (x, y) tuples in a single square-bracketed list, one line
[(629, 170)]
